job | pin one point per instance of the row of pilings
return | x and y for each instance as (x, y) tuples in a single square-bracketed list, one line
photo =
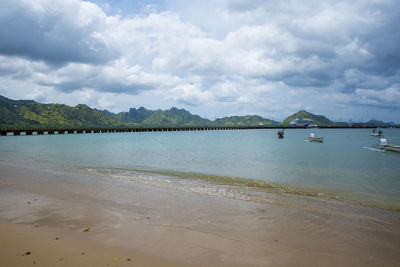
[(52, 131), (42, 131)]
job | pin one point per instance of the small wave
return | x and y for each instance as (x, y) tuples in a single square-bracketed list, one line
[(241, 188), (374, 149)]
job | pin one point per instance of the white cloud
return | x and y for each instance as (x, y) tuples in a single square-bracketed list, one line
[(244, 56), (390, 95), (117, 76), (190, 94), (54, 31)]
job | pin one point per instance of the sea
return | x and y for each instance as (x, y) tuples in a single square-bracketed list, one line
[(248, 165)]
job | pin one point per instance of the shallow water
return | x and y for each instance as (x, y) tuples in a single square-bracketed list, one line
[(241, 164), (222, 198)]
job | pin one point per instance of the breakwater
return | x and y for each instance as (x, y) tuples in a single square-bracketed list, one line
[(51, 131)]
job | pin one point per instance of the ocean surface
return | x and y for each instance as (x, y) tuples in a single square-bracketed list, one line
[(238, 164)]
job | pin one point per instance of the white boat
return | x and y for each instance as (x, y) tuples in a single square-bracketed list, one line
[(388, 147), (314, 138)]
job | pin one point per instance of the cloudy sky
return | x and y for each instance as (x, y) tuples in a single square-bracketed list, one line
[(214, 58)]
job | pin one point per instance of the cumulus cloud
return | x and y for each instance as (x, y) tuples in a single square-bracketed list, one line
[(387, 98), (116, 77), (55, 31)]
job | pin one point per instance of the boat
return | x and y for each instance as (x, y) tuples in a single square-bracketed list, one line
[(388, 147), (281, 133), (377, 133), (393, 148), (314, 138)]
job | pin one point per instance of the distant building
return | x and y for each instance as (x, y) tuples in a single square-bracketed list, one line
[(307, 122)]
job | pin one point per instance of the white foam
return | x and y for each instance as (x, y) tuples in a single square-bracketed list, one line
[(374, 149)]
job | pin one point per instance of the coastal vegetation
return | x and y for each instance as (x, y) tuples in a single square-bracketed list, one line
[(24, 114)]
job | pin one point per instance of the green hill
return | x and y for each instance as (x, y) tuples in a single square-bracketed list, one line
[(175, 117), (303, 115), (132, 116), (25, 114), (146, 117), (136, 115), (248, 120)]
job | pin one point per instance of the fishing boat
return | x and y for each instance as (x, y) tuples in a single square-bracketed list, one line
[(281, 133), (378, 132), (314, 138), (388, 147)]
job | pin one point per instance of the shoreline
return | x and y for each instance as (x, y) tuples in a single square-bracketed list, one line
[(181, 228)]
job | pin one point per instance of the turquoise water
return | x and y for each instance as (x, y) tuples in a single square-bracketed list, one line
[(343, 163)]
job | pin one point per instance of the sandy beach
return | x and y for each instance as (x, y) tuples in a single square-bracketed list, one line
[(233, 133), (24, 245), (43, 211)]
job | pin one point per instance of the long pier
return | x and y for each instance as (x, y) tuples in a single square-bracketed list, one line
[(52, 131)]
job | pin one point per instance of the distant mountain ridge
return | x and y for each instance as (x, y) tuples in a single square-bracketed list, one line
[(30, 114), (171, 117), (248, 120), (378, 123), (320, 120), (182, 117)]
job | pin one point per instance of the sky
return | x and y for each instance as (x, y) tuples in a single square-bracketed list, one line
[(214, 58)]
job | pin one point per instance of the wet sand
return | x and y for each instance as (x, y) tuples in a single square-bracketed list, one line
[(157, 226)]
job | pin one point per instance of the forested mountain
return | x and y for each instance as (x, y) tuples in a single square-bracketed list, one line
[(28, 113), (171, 117), (304, 115), (248, 120)]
